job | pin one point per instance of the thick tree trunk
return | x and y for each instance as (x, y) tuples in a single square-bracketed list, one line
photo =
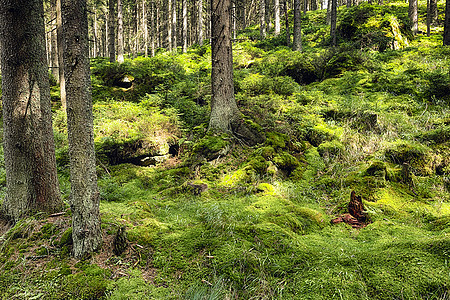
[(224, 110), (120, 42), (412, 14), (297, 45), (225, 115), (262, 19), (333, 20), (185, 26), (277, 17), (29, 148), (447, 24), (84, 198), (111, 31)]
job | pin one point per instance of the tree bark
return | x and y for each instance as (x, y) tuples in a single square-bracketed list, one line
[(120, 42), (433, 12), (145, 26), (200, 22), (333, 20), (111, 31), (447, 23), (225, 115), (262, 19), (29, 148), (54, 41), (84, 198), (286, 18), (60, 41), (185, 26), (297, 45), (224, 109), (412, 14), (277, 17), (174, 25)]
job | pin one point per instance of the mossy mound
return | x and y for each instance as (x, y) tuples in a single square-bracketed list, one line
[(419, 157)]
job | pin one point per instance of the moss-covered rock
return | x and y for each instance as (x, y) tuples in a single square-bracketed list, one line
[(285, 162), (331, 149), (212, 146)]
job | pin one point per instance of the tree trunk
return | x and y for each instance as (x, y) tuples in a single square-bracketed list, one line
[(286, 18), (111, 31), (200, 22), (224, 110), (297, 45), (412, 14), (225, 115), (54, 42), (185, 26), (447, 24), (60, 41), (120, 42), (174, 25), (433, 12), (29, 148), (277, 17), (428, 18), (145, 26), (333, 20), (84, 198), (262, 19)]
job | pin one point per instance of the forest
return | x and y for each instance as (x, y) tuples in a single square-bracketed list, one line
[(225, 149)]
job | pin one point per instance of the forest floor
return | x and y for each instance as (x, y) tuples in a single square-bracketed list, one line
[(207, 217)]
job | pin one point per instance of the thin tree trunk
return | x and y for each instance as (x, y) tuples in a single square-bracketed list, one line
[(111, 31), (54, 42), (174, 25), (185, 26), (60, 40), (277, 17), (297, 45), (120, 41), (29, 148), (262, 19), (85, 197), (286, 18), (428, 18), (433, 12), (200, 22), (333, 19), (145, 26), (413, 17), (447, 24)]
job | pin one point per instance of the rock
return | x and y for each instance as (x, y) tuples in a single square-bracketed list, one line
[(120, 242)]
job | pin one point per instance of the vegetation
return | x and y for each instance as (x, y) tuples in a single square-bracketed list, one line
[(208, 217)]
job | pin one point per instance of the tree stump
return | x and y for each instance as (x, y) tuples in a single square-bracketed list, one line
[(120, 243), (356, 216)]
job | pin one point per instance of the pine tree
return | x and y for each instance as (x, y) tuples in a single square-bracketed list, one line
[(29, 148)]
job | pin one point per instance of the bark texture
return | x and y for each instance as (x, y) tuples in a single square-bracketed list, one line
[(333, 20), (60, 40), (413, 17), (447, 23), (84, 199), (277, 17), (262, 19), (297, 45), (225, 115), (120, 42), (111, 31), (29, 148)]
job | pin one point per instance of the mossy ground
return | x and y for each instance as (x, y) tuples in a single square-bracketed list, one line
[(335, 120)]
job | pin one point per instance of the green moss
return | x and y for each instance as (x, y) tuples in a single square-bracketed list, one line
[(212, 146), (276, 140), (417, 156), (331, 149), (286, 162), (66, 238), (266, 188), (436, 136)]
